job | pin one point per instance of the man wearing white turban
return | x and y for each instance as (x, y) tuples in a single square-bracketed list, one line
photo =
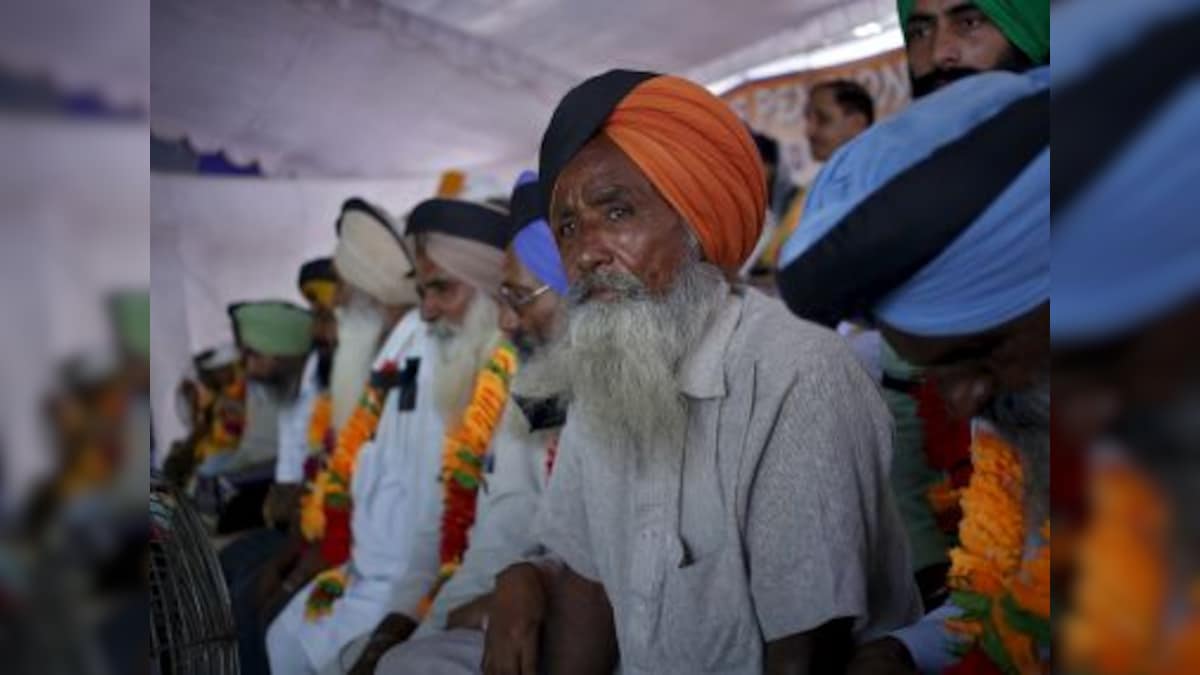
[(359, 511)]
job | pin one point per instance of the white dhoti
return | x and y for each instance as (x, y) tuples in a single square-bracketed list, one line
[(331, 644), (451, 652)]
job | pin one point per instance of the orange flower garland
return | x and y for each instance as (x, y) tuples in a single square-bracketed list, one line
[(463, 452), (325, 509), (228, 420), (1005, 599), (327, 588), (1118, 622), (332, 484), (320, 422)]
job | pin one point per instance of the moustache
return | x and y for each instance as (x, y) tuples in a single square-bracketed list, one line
[(938, 78), (620, 286)]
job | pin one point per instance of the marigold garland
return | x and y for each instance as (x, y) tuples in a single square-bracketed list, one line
[(463, 451), (228, 420), (947, 445), (328, 587), (330, 489), (1119, 619), (1005, 598), (320, 424)]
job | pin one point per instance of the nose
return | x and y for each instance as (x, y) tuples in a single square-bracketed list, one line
[(947, 51), (966, 394), (510, 323), (592, 251), (430, 308)]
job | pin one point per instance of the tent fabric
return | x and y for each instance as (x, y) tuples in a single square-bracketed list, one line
[(404, 89)]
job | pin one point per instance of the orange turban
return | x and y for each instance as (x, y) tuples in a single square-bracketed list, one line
[(688, 142)]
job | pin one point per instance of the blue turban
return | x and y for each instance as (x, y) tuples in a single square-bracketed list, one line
[(936, 221), (1126, 244), (534, 242)]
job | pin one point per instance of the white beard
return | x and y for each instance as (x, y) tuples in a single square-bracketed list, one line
[(461, 352), (617, 361), (360, 331)]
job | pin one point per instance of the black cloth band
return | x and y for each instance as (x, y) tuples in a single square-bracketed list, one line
[(462, 219), (580, 116), (911, 219)]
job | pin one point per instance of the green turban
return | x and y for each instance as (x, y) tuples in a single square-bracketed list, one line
[(131, 320), (1026, 23), (272, 327)]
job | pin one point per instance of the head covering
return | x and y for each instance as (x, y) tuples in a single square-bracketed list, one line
[(272, 327), (225, 354), (534, 242), (371, 256), (467, 239), (318, 282), (935, 221), (1126, 248), (130, 312), (687, 142), (1026, 23)]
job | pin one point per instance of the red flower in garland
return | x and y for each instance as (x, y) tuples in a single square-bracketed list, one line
[(335, 546), (947, 441)]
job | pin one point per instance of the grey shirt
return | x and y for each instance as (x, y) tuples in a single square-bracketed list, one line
[(773, 519)]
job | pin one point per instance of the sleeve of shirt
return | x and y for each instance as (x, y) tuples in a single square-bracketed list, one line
[(928, 641), (293, 441), (502, 533), (814, 502), (561, 524)]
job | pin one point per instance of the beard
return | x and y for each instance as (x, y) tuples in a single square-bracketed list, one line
[(461, 351), (282, 387), (360, 330), (1163, 439), (615, 363), (1023, 418), (1013, 60)]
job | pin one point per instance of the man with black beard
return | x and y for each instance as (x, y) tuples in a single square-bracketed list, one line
[(935, 226), (716, 448), (947, 40)]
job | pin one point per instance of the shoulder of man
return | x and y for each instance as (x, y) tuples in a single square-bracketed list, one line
[(783, 344)]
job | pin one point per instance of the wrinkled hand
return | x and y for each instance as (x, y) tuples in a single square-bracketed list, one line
[(885, 656), (282, 504), (471, 615), (518, 607), (394, 629)]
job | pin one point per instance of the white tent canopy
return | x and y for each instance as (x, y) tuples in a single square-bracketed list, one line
[(404, 89)]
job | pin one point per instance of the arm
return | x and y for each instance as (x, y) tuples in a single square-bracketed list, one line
[(825, 649), (579, 635), (548, 619)]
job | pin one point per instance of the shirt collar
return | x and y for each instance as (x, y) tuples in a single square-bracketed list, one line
[(702, 371)]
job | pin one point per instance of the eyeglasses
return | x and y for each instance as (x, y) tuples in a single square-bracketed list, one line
[(519, 298)]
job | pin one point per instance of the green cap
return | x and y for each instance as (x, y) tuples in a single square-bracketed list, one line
[(130, 311), (1026, 23), (272, 327)]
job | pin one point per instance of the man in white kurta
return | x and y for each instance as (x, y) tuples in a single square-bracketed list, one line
[(518, 466), (394, 481), (394, 484)]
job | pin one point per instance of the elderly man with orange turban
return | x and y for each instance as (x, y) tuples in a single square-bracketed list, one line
[(719, 502)]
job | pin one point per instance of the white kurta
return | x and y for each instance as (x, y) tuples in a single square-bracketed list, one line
[(395, 486), (502, 533), (293, 426), (515, 480)]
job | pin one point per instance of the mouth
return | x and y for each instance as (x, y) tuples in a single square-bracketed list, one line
[(600, 294)]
